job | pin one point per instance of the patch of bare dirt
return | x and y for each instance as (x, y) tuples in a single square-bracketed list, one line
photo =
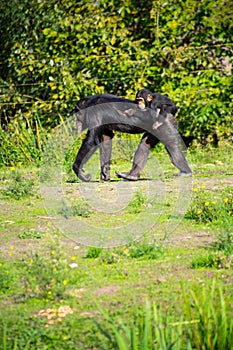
[(109, 290), (181, 239)]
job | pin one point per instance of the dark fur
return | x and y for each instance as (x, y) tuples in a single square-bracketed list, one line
[(109, 114), (156, 100)]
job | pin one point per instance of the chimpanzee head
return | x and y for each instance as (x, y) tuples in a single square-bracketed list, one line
[(155, 101), (144, 98)]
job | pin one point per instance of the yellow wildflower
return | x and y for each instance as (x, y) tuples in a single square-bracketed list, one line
[(225, 200), (65, 282), (207, 203), (73, 258)]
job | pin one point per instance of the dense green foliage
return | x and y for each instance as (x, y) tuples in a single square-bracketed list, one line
[(53, 53)]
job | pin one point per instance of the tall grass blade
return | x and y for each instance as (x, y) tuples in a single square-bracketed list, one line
[(4, 337)]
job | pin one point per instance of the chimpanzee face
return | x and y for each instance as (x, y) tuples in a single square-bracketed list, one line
[(143, 98)]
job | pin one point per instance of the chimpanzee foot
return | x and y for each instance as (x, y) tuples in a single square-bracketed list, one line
[(80, 173), (105, 177), (127, 176), (105, 173), (182, 174), (84, 177)]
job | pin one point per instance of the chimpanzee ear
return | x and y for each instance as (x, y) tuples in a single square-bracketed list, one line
[(149, 98)]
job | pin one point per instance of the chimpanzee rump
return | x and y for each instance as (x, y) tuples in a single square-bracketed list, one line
[(103, 114)]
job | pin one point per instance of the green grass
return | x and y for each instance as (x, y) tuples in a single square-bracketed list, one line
[(147, 294), (137, 203), (204, 324), (19, 187), (211, 207)]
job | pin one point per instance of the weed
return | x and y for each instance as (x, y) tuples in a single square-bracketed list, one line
[(31, 234), (137, 204), (216, 260), (214, 326), (93, 252), (205, 324), (219, 254), (211, 208), (146, 249), (149, 330), (19, 188), (46, 276), (80, 210), (110, 257), (7, 278), (224, 243), (137, 250)]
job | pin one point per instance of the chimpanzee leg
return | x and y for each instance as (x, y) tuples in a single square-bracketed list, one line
[(148, 142), (170, 137), (86, 150), (105, 155), (178, 159)]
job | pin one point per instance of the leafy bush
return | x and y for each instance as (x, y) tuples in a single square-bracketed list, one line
[(55, 52)]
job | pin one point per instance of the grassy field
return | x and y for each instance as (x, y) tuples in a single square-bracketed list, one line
[(171, 288)]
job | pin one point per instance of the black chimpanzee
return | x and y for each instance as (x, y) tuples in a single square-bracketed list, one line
[(103, 114)]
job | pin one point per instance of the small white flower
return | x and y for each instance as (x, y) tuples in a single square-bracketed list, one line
[(73, 265)]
